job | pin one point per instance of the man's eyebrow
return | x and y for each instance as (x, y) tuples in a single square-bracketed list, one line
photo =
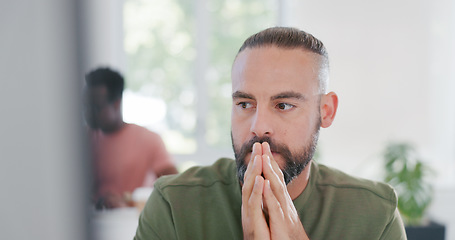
[(289, 94), (239, 94)]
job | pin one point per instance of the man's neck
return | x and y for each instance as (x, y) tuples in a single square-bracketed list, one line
[(298, 184)]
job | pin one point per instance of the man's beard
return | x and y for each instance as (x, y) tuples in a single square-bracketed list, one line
[(295, 163)]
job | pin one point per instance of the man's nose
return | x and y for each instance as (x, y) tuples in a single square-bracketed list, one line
[(261, 124)]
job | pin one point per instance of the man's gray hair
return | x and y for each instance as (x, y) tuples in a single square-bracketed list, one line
[(290, 38)]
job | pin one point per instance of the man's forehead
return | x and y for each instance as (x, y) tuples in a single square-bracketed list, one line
[(277, 69), (278, 58)]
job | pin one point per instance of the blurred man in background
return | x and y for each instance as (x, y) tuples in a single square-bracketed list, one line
[(125, 156)]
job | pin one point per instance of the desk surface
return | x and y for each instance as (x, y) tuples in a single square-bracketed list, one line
[(113, 224)]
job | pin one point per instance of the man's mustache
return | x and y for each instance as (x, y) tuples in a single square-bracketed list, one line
[(248, 146)]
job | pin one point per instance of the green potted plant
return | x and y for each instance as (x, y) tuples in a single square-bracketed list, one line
[(406, 172)]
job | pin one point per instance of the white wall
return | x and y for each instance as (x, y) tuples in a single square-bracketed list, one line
[(103, 34), (392, 65), (42, 175)]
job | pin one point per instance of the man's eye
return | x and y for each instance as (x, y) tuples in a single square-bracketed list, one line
[(245, 105), (284, 106)]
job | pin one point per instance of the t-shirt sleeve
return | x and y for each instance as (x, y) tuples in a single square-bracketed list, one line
[(395, 228), (155, 221)]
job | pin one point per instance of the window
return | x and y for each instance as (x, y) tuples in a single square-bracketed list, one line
[(179, 56)]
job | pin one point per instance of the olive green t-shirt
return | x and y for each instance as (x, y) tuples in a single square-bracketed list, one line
[(205, 203)]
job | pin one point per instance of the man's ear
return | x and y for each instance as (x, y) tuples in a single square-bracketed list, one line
[(329, 106)]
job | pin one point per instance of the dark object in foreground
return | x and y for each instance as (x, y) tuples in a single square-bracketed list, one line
[(433, 231)]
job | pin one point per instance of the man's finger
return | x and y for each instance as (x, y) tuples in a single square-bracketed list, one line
[(266, 148), (255, 201), (276, 168), (257, 150), (255, 169), (253, 221), (276, 214), (277, 184), (254, 204)]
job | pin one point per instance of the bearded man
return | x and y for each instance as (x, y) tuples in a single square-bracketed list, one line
[(273, 189)]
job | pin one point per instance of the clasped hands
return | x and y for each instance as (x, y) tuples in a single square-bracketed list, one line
[(267, 209)]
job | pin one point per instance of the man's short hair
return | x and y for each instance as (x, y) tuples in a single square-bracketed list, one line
[(112, 80), (291, 38)]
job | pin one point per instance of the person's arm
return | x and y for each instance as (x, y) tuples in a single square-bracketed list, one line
[(155, 221), (167, 171), (395, 228), (161, 161)]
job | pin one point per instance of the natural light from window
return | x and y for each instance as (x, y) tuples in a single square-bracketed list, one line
[(179, 55)]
